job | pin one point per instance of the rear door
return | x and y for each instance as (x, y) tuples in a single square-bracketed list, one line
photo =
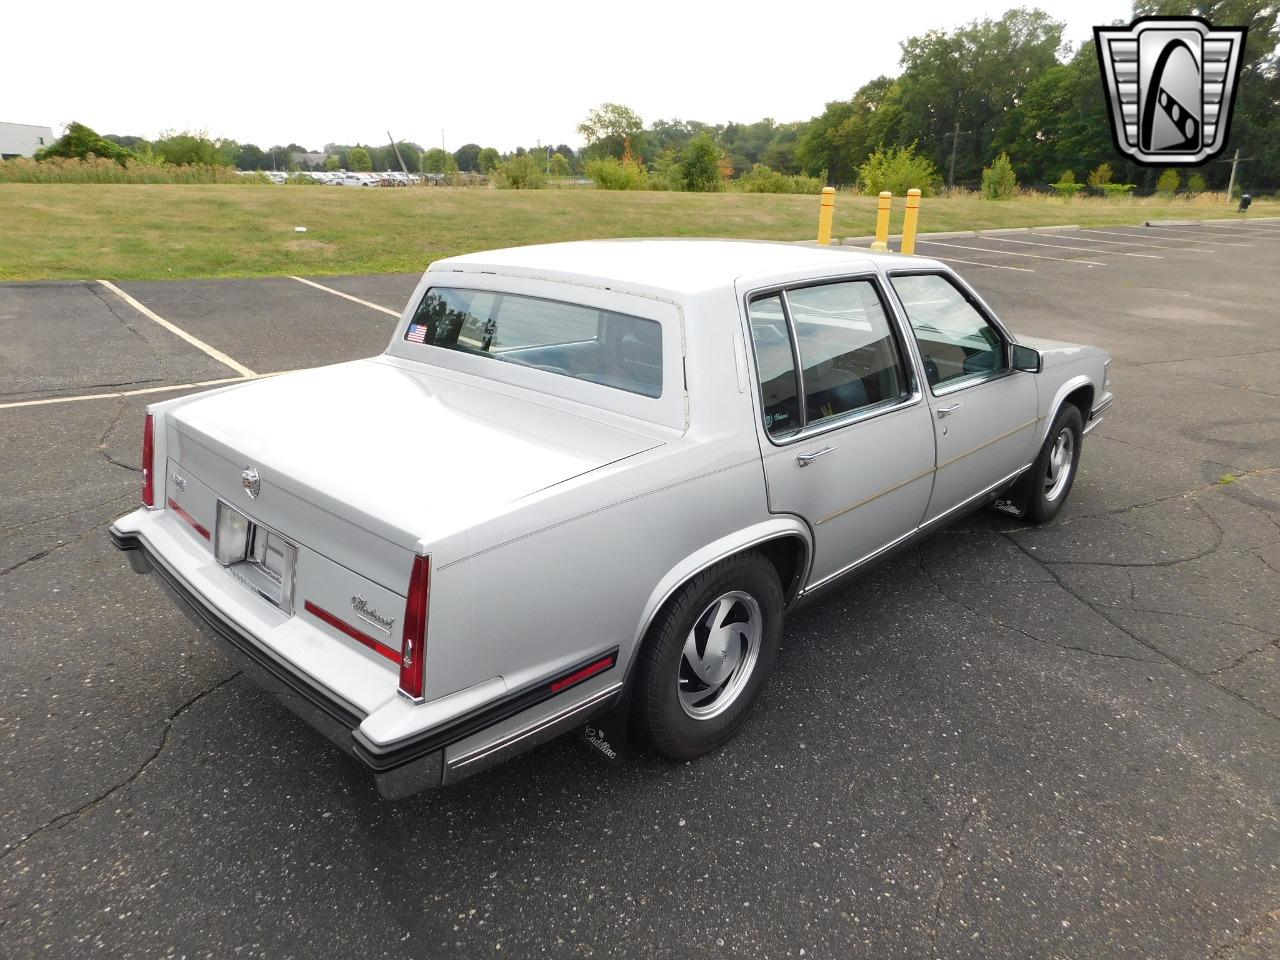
[(984, 413), (846, 437)]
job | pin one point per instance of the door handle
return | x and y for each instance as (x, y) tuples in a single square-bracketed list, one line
[(805, 459), (944, 412)]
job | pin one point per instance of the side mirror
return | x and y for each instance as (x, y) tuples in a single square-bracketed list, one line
[(1024, 358)]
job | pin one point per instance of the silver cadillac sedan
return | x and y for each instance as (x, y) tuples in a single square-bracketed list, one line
[(584, 483)]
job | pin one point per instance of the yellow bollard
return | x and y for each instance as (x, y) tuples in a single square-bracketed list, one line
[(910, 222), (882, 222), (826, 213)]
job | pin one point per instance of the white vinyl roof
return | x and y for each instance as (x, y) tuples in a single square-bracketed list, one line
[(675, 265)]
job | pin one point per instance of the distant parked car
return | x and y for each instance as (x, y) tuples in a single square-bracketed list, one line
[(585, 481)]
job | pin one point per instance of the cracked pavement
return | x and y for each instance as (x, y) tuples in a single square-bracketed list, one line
[(1010, 742)]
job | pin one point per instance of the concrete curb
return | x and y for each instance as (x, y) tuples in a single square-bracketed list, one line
[(1061, 228), (1172, 223), (937, 235), (1244, 218), (996, 233)]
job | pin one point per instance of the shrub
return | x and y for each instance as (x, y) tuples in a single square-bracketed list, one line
[(519, 173), (1067, 189), (700, 165), (80, 143), (761, 179), (1169, 182), (999, 182), (101, 170), (898, 170), (1101, 175), (1118, 189), (1068, 176), (610, 173), (1196, 183)]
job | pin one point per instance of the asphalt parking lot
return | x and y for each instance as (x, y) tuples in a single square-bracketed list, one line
[(1012, 742)]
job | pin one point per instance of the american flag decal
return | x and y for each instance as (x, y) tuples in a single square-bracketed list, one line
[(417, 333)]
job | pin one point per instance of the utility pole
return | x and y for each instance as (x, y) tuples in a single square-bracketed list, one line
[(399, 159), (1234, 161), (955, 140)]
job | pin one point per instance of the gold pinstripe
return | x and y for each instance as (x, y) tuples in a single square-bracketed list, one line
[(875, 496), (924, 473)]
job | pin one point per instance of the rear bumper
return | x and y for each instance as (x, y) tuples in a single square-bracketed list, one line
[(463, 743), (404, 769)]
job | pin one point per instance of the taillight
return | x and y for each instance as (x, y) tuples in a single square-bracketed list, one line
[(148, 466), (413, 646)]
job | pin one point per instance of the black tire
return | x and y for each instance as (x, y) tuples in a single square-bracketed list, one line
[(665, 682), (1044, 495)]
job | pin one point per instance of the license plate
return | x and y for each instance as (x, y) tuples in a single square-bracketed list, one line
[(257, 556)]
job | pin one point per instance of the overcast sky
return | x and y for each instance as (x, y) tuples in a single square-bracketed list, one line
[(497, 73)]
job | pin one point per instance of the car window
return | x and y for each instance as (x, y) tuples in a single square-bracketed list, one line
[(849, 358), (572, 340), (956, 341), (776, 366)]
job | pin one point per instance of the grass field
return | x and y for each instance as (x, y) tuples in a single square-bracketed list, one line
[(152, 231)]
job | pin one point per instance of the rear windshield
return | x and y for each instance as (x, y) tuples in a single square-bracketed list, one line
[(569, 339)]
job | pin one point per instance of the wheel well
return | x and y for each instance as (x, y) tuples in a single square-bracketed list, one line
[(788, 556), (1082, 399)]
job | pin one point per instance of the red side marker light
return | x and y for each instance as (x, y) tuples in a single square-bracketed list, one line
[(148, 466), (590, 670), (413, 646)]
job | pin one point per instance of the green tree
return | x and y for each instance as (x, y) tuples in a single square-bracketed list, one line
[(467, 157), (331, 162), (80, 141), (487, 160), (559, 166), (1169, 182), (358, 159), (608, 127), (1101, 175), (1196, 183), (971, 77), (998, 180), (251, 157), (436, 160), (700, 167), (844, 135)]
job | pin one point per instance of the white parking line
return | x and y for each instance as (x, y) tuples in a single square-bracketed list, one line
[(1141, 236), (975, 263), (1187, 248), (1011, 253), (124, 393), (1063, 246), (1228, 230), (194, 341), (1181, 236), (347, 296), (137, 393)]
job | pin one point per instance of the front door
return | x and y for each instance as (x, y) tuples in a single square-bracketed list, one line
[(847, 441), (984, 413)]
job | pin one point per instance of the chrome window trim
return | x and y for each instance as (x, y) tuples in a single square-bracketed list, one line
[(971, 297), (906, 356)]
